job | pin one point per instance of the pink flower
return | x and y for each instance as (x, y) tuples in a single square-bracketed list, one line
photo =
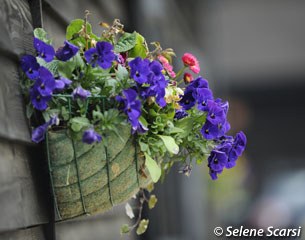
[(168, 68), (162, 59), (187, 77), (191, 61)]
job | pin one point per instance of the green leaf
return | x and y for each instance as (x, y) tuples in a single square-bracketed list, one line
[(142, 226), (125, 229), (122, 73), (65, 113), (41, 34), (185, 124), (170, 144), (51, 66), (73, 32), (74, 28), (126, 42), (175, 130), (153, 168), (143, 121), (152, 201), (66, 69), (78, 123), (140, 49), (143, 146), (29, 110)]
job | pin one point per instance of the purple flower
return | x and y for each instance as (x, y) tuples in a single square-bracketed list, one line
[(81, 93), (199, 83), (44, 50), (238, 146), (38, 134), (196, 92), (203, 95), (226, 147), (214, 131), (61, 83), (214, 174), (90, 136), (150, 80), (66, 52), (45, 83), (30, 66), (139, 129), (180, 114), (139, 70), (102, 55), (39, 102), (188, 100), (233, 148), (157, 82), (216, 162), (216, 113), (223, 105), (131, 107)]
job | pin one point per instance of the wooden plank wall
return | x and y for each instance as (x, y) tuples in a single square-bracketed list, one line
[(25, 206), (21, 197)]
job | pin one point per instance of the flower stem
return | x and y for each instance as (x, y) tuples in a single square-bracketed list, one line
[(180, 72)]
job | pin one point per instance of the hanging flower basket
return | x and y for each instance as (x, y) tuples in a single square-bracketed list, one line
[(115, 117), (87, 179)]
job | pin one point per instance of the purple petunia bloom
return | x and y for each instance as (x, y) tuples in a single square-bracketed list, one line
[(66, 52), (44, 50), (81, 93), (179, 114), (139, 70), (101, 55), (90, 136), (38, 133), (30, 66), (45, 83), (131, 107)]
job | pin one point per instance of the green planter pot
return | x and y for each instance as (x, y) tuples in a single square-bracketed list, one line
[(88, 179)]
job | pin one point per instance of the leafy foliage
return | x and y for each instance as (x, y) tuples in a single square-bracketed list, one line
[(97, 83)]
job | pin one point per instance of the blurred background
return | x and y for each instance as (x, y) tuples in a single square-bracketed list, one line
[(253, 54)]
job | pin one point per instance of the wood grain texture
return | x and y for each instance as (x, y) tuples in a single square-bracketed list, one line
[(15, 40), (22, 205), (35, 233)]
